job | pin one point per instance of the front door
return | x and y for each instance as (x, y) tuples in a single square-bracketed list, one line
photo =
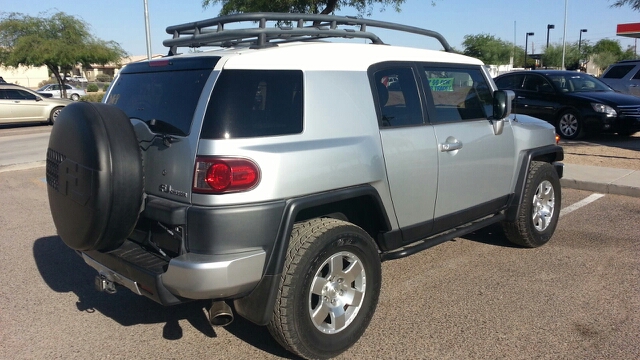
[(474, 164)]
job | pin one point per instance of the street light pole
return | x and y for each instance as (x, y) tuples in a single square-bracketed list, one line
[(549, 27), (146, 23), (526, 43), (580, 41)]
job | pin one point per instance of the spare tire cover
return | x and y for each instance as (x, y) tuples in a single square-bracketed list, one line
[(94, 175)]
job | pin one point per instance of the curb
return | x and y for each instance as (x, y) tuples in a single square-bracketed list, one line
[(23, 166)]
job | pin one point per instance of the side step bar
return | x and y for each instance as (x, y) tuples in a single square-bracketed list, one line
[(439, 239)]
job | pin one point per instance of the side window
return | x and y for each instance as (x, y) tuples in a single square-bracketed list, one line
[(458, 94), (509, 82), (251, 103), (398, 98), (537, 83), (13, 94), (618, 71), (636, 76)]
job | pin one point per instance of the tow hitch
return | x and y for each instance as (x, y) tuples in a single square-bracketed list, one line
[(103, 284)]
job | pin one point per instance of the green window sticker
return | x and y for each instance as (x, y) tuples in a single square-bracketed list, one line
[(441, 84)]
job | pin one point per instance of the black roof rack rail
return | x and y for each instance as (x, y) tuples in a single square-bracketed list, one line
[(211, 32)]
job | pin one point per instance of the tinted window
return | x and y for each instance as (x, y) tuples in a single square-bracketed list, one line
[(169, 97), (459, 94), (537, 83), (509, 82), (398, 98), (249, 103), (618, 71), (16, 94), (636, 76), (577, 82)]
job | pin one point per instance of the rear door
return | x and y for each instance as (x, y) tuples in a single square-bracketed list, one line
[(409, 145)]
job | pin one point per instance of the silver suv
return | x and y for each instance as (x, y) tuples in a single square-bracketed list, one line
[(279, 171), (624, 76)]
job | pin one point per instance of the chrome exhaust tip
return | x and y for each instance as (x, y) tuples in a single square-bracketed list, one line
[(220, 314)]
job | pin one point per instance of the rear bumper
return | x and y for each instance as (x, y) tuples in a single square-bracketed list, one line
[(183, 278)]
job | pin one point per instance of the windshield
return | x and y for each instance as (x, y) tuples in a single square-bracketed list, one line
[(578, 82), (168, 97)]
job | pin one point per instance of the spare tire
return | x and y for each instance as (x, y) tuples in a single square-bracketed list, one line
[(94, 175)]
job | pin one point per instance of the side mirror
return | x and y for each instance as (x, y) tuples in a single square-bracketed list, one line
[(502, 100)]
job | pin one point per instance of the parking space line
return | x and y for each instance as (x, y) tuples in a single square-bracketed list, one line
[(586, 201)]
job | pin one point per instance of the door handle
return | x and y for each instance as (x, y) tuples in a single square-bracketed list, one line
[(520, 97), (450, 146)]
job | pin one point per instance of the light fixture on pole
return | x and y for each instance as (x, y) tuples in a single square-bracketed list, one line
[(549, 27), (526, 43), (580, 41)]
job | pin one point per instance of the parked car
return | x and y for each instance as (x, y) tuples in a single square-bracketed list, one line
[(574, 102), (624, 76), (19, 104), (284, 170), (73, 92), (79, 79)]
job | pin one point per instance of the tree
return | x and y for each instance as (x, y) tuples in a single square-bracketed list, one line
[(488, 48), (59, 42), (635, 4), (299, 6)]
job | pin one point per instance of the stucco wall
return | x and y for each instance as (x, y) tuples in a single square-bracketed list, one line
[(25, 76)]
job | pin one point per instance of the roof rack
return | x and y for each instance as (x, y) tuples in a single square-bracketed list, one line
[(211, 32)]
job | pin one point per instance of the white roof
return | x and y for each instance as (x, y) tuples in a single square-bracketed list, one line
[(319, 55)]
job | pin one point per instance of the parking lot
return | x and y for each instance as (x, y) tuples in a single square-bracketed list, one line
[(475, 297)]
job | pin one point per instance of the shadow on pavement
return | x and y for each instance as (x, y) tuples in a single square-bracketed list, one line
[(64, 271), (490, 235)]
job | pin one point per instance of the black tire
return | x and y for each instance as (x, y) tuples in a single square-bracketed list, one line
[(569, 125), (94, 176), (75, 97), (539, 208), (54, 114), (316, 246)]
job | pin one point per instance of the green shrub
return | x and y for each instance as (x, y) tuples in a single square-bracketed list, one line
[(92, 88), (105, 87), (92, 97), (103, 78)]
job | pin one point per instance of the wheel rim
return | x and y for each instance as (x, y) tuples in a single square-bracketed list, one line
[(337, 292), (544, 202), (75, 97), (568, 124), (56, 112)]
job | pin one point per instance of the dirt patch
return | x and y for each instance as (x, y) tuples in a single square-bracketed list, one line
[(608, 150)]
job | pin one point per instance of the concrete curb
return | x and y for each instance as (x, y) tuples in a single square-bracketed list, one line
[(23, 166), (601, 179)]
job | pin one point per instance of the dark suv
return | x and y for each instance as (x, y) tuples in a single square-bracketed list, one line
[(278, 172)]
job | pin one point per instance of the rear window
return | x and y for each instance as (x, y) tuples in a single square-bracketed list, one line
[(618, 71), (254, 103), (164, 91)]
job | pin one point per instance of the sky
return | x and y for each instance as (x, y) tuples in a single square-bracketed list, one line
[(122, 21)]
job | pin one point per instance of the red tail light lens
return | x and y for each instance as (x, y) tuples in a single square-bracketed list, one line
[(224, 175)]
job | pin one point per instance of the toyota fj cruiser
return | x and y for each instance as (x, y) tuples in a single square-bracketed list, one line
[(278, 172)]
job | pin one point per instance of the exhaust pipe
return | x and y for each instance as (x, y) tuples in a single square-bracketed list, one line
[(220, 314)]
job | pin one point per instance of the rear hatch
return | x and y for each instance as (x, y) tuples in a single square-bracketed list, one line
[(161, 98)]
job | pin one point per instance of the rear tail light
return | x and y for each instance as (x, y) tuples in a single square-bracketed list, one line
[(222, 175)]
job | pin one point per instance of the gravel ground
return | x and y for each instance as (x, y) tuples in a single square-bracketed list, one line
[(608, 150)]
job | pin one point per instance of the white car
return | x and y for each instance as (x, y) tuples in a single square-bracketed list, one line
[(78, 79), (73, 93), (19, 104)]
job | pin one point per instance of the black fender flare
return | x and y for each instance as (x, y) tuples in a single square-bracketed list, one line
[(552, 154), (257, 307)]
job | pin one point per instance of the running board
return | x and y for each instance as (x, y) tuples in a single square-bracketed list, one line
[(439, 239)]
